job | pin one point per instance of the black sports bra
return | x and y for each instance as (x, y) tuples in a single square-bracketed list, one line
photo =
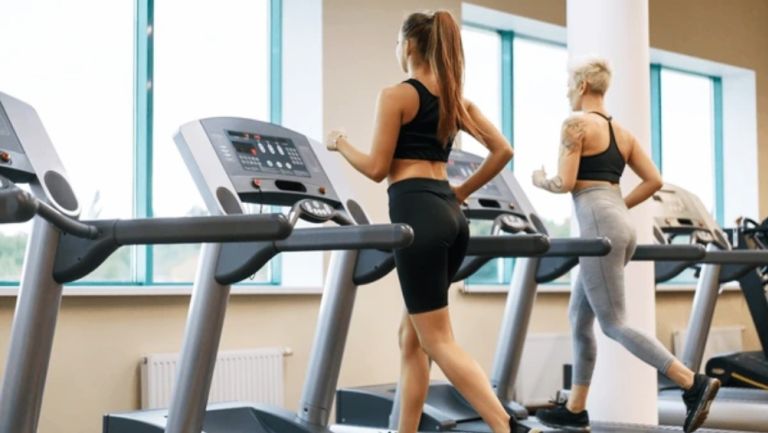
[(418, 138), (608, 165)]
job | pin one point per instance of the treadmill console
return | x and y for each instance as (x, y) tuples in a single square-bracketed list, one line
[(265, 163), (267, 155), (679, 212), (495, 198), (13, 161)]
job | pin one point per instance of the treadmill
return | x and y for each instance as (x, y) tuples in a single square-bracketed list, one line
[(735, 407), (748, 369), (236, 160), (62, 249), (445, 409)]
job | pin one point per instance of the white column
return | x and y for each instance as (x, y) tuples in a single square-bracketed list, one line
[(624, 388)]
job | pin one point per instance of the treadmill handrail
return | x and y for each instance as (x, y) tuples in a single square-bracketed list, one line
[(66, 223), (741, 257), (16, 205), (649, 252), (508, 246), (239, 260), (199, 229), (77, 256), (578, 247), (566, 250), (353, 237)]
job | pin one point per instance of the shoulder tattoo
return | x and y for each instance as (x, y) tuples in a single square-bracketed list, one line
[(572, 133)]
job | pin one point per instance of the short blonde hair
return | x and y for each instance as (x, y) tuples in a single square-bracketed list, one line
[(595, 72)]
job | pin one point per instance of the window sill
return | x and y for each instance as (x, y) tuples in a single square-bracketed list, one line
[(168, 290)]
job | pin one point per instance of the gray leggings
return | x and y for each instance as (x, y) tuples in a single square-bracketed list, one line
[(599, 288)]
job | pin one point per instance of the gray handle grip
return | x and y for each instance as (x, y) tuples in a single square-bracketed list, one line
[(15, 205), (578, 247), (226, 228), (669, 253), (736, 257), (384, 236), (508, 246)]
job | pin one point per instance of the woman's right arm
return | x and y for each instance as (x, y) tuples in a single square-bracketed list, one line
[(643, 166), (500, 152)]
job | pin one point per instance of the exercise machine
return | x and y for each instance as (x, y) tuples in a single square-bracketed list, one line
[(445, 410), (236, 160), (748, 369), (62, 249), (735, 407)]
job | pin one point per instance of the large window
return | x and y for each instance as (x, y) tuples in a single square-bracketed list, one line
[(77, 73), (540, 106), (534, 105), (112, 93), (687, 135), (531, 111), (213, 62), (482, 86)]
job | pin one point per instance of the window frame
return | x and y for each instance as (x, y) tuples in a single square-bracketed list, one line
[(142, 272), (143, 162), (717, 132), (508, 127)]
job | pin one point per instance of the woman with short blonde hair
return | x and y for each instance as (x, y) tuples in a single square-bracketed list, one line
[(593, 154)]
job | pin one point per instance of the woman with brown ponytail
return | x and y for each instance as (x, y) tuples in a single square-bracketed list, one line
[(416, 123)]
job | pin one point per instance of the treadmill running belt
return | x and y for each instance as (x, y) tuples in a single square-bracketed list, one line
[(478, 426), (606, 427)]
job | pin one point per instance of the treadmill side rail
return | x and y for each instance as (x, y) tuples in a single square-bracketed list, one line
[(76, 257)]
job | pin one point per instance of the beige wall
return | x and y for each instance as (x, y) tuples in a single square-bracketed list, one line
[(732, 32), (100, 339)]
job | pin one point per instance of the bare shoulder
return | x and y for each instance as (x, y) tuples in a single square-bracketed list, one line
[(399, 90), (621, 131), (468, 105), (399, 95), (624, 138), (574, 130)]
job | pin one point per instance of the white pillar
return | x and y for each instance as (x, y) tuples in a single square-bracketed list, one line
[(624, 388)]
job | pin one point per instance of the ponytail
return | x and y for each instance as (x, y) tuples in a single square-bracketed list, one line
[(437, 38), (445, 55)]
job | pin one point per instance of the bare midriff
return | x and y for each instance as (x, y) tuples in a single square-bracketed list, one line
[(409, 168), (584, 184)]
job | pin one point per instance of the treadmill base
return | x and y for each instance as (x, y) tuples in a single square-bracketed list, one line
[(220, 418), (734, 408)]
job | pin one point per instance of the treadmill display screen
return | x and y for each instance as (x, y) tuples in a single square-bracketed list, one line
[(459, 171), (269, 155)]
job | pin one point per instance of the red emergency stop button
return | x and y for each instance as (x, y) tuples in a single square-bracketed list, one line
[(321, 190), (5, 157), (256, 183)]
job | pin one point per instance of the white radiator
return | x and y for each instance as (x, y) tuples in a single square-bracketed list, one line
[(244, 375), (541, 367)]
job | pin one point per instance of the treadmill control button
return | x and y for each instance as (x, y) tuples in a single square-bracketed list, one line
[(321, 190), (5, 157), (256, 183)]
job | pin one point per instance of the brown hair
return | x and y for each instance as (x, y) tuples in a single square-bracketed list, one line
[(437, 38)]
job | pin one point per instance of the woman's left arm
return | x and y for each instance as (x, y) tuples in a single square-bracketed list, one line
[(375, 165), (572, 138)]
